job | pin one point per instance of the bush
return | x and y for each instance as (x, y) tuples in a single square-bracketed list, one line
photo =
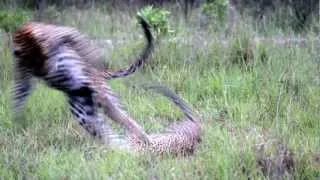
[(157, 18), (9, 21)]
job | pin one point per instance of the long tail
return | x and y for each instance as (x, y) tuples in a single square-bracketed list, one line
[(143, 57), (181, 137), (184, 107)]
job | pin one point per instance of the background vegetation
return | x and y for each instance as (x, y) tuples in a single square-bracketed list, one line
[(251, 69)]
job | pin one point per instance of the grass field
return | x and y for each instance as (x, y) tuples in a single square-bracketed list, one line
[(261, 118)]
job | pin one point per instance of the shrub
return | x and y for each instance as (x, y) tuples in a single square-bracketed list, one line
[(9, 21), (157, 18)]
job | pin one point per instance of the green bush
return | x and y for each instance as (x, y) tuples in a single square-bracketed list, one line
[(9, 21), (158, 18)]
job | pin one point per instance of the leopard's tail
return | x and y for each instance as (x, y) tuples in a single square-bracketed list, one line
[(142, 58), (184, 107)]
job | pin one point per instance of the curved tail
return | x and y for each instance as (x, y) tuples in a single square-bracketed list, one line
[(143, 57), (181, 137), (184, 107)]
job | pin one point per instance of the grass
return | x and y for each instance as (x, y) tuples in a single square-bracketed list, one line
[(251, 115)]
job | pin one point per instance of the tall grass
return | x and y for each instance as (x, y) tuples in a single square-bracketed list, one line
[(249, 112)]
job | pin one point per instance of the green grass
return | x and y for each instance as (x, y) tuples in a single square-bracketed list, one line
[(273, 102)]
